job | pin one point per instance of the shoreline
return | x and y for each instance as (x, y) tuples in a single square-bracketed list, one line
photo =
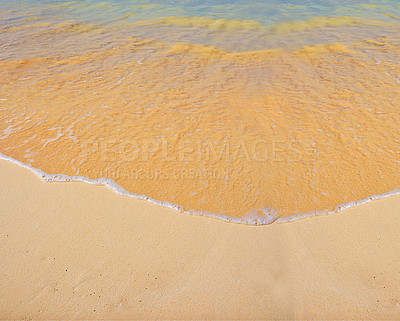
[(75, 251), (249, 219)]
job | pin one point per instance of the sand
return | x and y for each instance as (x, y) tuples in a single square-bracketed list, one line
[(79, 251), (294, 130)]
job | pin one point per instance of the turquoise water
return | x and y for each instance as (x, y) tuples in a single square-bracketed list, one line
[(266, 12), (229, 25)]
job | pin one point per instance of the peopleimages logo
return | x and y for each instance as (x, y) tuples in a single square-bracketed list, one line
[(201, 150)]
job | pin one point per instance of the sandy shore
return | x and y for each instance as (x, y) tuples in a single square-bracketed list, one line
[(74, 250)]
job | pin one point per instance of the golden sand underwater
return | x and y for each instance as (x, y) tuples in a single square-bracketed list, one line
[(269, 132)]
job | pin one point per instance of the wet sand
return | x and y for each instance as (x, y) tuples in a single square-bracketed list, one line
[(266, 133), (77, 251)]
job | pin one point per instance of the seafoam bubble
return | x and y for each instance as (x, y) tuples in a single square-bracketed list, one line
[(258, 216)]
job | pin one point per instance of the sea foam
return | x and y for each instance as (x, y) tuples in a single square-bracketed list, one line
[(269, 215)]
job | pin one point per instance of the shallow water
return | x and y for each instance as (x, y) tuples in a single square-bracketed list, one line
[(262, 108)]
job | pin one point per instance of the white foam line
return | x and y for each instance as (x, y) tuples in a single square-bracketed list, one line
[(270, 215), (338, 208), (250, 219)]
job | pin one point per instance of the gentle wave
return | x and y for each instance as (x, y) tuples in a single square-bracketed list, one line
[(250, 219), (233, 26), (323, 88), (309, 103), (269, 216), (280, 27)]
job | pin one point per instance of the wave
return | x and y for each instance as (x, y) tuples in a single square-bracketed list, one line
[(225, 24), (269, 216), (318, 123), (250, 219), (250, 24), (323, 22)]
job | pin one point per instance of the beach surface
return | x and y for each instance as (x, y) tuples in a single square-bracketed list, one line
[(79, 251)]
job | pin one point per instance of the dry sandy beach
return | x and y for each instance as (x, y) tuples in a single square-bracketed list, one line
[(78, 251)]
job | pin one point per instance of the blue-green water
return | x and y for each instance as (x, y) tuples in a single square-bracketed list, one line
[(267, 12), (229, 25)]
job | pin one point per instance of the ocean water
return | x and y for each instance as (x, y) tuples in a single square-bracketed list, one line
[(248, 111)]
